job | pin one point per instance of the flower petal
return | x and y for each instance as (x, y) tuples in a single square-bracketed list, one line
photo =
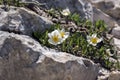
[(94, 44), (55, 32), (49, 35), (88, 41), (63, 30), (99, 40), (88, 37), (51, 42), (94, 35), (65, 12), (67, 34)]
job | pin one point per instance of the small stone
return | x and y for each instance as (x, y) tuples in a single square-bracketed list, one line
[(115, 75), (103, 74), (116, 32), (55, 20), (62, 21), (116, 43)]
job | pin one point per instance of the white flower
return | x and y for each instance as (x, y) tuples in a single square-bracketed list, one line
[(64, 34), (93, 39), (65, 12), (55, 37)]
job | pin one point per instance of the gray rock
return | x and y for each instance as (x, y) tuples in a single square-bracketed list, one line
[(22, 58), (116, 32), (85, 9), (80, 6), (103, 74), (116, 43), (110, 7), (99, 15), (107, 75), (22, 21), (115, 75)]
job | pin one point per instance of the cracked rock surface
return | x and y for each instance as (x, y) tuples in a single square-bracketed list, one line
[(22, 21), (22, 58)]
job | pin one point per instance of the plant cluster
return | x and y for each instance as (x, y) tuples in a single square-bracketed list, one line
[(10, 2), (88, 40)]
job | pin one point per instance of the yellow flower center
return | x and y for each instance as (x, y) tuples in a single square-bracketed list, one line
[(62, 34), (55, 38), (94, 40), (65, 13)]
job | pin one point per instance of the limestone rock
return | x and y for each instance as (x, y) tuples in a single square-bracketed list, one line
[(84, 8), (116, 32), (79, 6), (117, 43), (22, 58), (22, 21), (99, 15), (107, 75), (115, 75), (110, 7), (103, 74)]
